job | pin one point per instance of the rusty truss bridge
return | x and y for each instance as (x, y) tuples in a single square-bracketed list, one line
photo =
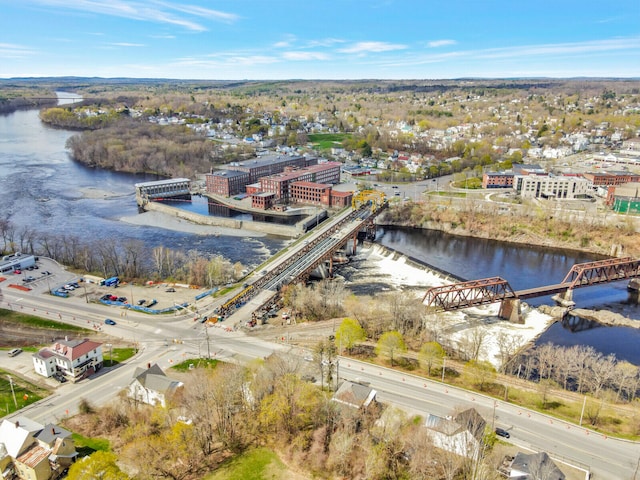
[(473, 293)]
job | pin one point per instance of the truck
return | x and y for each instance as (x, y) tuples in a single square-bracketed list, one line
[(110, 282)]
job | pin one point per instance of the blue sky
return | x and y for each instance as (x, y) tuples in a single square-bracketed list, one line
[(321, 39)]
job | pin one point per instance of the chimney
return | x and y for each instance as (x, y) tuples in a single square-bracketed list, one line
[(53, 430), (17, 424), (66, 338), (148, 366)]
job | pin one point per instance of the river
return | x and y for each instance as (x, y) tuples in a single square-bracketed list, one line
[(43, 189)]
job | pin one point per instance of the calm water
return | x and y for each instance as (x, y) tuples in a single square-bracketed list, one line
[(44, 190), (526, 267)]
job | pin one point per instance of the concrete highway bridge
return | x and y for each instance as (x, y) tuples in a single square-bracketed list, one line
[(473, 293), (298, 261)]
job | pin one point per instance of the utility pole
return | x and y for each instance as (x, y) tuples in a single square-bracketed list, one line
[(206, 331), (584, 404), (444, 367), (13, 391)]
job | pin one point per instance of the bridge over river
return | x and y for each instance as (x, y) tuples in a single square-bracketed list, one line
[(299, 260), (473, 293)]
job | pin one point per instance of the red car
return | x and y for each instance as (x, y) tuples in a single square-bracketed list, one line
[(17, 271), (113, 298)]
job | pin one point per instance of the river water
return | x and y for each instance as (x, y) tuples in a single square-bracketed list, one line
[(42, 188)]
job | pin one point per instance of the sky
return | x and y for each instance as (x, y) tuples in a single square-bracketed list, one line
[(321, 39)]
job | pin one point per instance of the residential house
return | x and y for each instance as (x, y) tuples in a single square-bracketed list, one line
[(152, 386), (355, 395), (535, 466), (462, 434), (31, 451), (76, 359)]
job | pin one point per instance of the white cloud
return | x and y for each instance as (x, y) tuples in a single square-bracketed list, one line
[(158, 12), (326, 42), (441, 43), (372, 47), (10, 50), (305, 56), (125, 44)]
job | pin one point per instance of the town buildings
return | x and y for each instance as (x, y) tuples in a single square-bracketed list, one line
[(74, 359), (31, 451)]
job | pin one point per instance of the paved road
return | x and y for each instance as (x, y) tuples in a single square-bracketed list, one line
[(168, 340)]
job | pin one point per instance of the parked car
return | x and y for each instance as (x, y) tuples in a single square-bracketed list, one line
[(60, 377), (108, 321), (170, 290), (14, 352), (502, 433), (122, 299), (17, 271), (141, 301)]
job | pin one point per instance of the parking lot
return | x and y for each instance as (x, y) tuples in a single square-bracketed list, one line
[(49, 276)]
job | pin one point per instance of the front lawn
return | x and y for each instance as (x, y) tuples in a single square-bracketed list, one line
[(25, 393), (255, 464)]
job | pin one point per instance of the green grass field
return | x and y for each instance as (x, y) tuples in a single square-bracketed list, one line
[(37, 322), (116, 355), (87, 445), (325, 141), (255, 464), (197, 363), (25, 393)]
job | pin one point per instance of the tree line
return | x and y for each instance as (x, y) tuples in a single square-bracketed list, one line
[(127, 258)]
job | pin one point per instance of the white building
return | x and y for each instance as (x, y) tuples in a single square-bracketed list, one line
[(73, 358), (551, 186), (152, 386)]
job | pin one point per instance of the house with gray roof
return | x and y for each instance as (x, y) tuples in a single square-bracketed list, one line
[(461, 434), (354, 395), (534, 466), (152, 386)]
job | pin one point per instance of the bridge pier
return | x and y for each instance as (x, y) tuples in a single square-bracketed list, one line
[(634, 290), (510, 309), (564, 299)]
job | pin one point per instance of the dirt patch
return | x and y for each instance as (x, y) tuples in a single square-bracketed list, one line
[(16, 335)]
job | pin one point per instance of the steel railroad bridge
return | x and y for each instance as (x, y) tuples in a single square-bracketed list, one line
[(309, 256), (495, 289)]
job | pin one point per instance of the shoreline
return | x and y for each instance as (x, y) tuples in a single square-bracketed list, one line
[(161, 220)]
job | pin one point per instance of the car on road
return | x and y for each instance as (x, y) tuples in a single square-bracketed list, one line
[(502, 433), (14, 352), (108, 321)]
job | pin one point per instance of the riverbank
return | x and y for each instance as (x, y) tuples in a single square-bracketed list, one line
[(606, 234)]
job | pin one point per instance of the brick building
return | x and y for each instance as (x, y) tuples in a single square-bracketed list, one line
[(497, 180), (280, 184), (270, 165), (606, 179), (226, 182)]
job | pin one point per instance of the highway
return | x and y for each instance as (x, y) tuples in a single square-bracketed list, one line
[(168, 340)]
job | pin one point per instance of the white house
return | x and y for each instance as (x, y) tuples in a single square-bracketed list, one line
[(462, 434), (75, 359), (152, 386)]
